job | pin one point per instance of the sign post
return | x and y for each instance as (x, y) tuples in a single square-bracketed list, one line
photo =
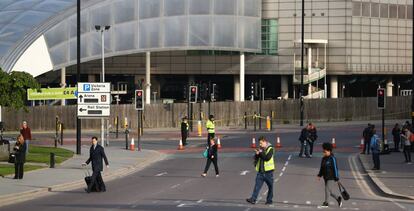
[(381, 106)]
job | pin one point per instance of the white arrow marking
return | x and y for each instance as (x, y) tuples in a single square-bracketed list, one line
[(243, 173), (161, 174)]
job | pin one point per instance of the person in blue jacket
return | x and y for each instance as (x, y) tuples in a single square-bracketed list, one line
[(329, 172), (375, 149)]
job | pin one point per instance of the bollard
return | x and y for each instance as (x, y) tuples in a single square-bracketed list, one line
[(254, 121), (199, 128), (245, 120), (117, 126), (126, 138), (268, 123), (52, 160), (61, 133), (272, 116)]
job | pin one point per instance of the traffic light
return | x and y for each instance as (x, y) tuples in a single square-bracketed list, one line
[(381, 98), (193, 94), (214, 92), (139, 100)]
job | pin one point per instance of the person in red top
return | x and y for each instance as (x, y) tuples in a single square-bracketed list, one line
[(27, 135)]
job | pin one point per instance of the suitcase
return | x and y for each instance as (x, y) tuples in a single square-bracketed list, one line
[(88, 179)]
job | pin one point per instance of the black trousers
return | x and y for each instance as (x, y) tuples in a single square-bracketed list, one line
[(209, 160), (367, 146), (407, 153), (311, 147), (18, 170), (97, 181), (184, 138), (209, 136), (376, 159), (396, 144)]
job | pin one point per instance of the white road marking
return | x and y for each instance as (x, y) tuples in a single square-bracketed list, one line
[(161, 174), (290, 157), (284, 168), (308, 202), (181, 205), (281, 174), (243, 173), (285, 202), (287, 163), (175, 186)]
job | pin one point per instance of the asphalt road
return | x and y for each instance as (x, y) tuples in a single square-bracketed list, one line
[(176, 184)]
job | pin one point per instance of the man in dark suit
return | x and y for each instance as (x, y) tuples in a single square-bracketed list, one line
[(96, 154)]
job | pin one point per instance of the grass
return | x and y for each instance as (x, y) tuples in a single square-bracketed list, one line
[(9, 169), (42, 154)]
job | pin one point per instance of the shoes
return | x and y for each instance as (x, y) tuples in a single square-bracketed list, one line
[(339, 201), (269, 203), (217, 175), (251, 201), (87, 190), (204, 175), (325, 205), (375, 169), (362, 153), (310, 156)]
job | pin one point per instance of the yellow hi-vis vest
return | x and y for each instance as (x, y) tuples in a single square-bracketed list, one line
[(210, 126), (268, 165)]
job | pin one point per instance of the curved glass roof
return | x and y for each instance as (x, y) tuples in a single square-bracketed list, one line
[(20, 17)]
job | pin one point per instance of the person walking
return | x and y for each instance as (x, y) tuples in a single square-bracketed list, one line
[(27, 134), (210, 125), (375, 149), (265, 166), (405, 137), (96, 154), (366, 134), (313, 136), (184, 130), (20, 157), (211, 158), (304, 142), (396, 133), (329, 172)]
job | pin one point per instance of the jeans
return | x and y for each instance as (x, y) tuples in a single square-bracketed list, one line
[(328, 190), (304, 147), (407, 153), (367, 146), (266, 177), (376, 159), (27, 146), (209, 161)]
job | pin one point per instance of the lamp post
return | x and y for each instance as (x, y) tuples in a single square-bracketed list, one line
[(78, 50), (102, 29), (412, 68), (301, 63)]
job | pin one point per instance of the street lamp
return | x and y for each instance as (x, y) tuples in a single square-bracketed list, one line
[(102, 29), (301, 64)]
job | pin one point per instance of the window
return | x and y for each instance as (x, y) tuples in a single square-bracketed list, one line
[(366, 9), (269, 36), (401, 11), (393, 11), (375, 10), (384, 11), (356, 8), (409, 12)]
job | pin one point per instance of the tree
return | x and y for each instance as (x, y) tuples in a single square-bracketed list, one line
[(13, 88)]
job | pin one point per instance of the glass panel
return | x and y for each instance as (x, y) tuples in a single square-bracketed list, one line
[(174, 7), (149, 33), (175, 30), (401, 11), (100, 16), (251, 8), (366, 9), (224, 31), (409, 12), (269, 36), (125, 36), (199, 6), (375, 10), (200, 31), (356, 8), (124, 11), (393, 11), (251, 33), (56, 35), (225, 7), (149, 8), (31, 18), (384, 10), (52, 6)]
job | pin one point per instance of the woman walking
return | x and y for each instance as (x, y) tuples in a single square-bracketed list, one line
[(211, 158), (396, 133), (405, 137), (20, 153)]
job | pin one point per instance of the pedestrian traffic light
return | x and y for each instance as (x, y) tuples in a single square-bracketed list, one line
[(193, 94), (381, 98), (139, 100)]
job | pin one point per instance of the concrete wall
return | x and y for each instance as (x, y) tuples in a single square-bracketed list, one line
[(226, 113)]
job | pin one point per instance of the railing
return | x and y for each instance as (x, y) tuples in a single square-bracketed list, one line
[(316, 74)]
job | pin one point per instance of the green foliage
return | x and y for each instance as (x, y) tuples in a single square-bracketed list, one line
[(13, 88), (8, 169), (42, 154)]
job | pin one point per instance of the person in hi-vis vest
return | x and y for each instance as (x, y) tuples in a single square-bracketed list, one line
[(210, 125), (265, 166)]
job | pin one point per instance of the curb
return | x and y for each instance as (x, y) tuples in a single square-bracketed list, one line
[(381, 186), (9, 199)]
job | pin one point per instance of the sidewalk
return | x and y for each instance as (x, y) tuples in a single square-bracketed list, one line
[(395, 179), (70, 175)]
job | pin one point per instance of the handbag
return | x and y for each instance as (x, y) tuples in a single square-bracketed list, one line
[(344, 193), (12, 158), (205, 153), (412, 137)]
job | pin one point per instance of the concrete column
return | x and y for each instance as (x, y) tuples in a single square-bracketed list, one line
[(241, 76), (148, 78), (334, 86), (63, 81), (389, 87), (91, 78), (309, 69), (236, 88), (284, 88)]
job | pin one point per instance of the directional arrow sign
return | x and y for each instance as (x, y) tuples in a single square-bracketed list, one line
[(80, 98), (94, 110)]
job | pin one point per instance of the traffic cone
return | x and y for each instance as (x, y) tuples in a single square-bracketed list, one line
[(218, 143), (253, 142), (180, 145), (333, 143), (361, 146), (278, 144), (132, 145)]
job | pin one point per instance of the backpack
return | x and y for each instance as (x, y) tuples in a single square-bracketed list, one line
[(412, 137)]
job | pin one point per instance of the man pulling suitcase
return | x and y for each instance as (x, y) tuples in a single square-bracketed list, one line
[(96, 154)]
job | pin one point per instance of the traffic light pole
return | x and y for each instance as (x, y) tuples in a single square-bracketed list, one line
[(78, 66), (139, 129), (383, 128)]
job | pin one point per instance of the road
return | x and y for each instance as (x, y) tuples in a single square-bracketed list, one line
[(176, 184)]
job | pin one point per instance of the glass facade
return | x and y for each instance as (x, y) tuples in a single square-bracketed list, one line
[(269, 36)]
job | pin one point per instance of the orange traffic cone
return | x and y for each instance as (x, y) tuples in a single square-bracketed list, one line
[(361, 146), (253, 142), (180, 145), (132, 145), (218, 143), (278, 144), (333, 143)]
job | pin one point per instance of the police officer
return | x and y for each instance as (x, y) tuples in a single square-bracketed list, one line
[(210, 125), (265, 166), (184, 130)]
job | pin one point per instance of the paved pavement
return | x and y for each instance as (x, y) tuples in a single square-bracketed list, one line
[(396, 178), (175, 182)]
